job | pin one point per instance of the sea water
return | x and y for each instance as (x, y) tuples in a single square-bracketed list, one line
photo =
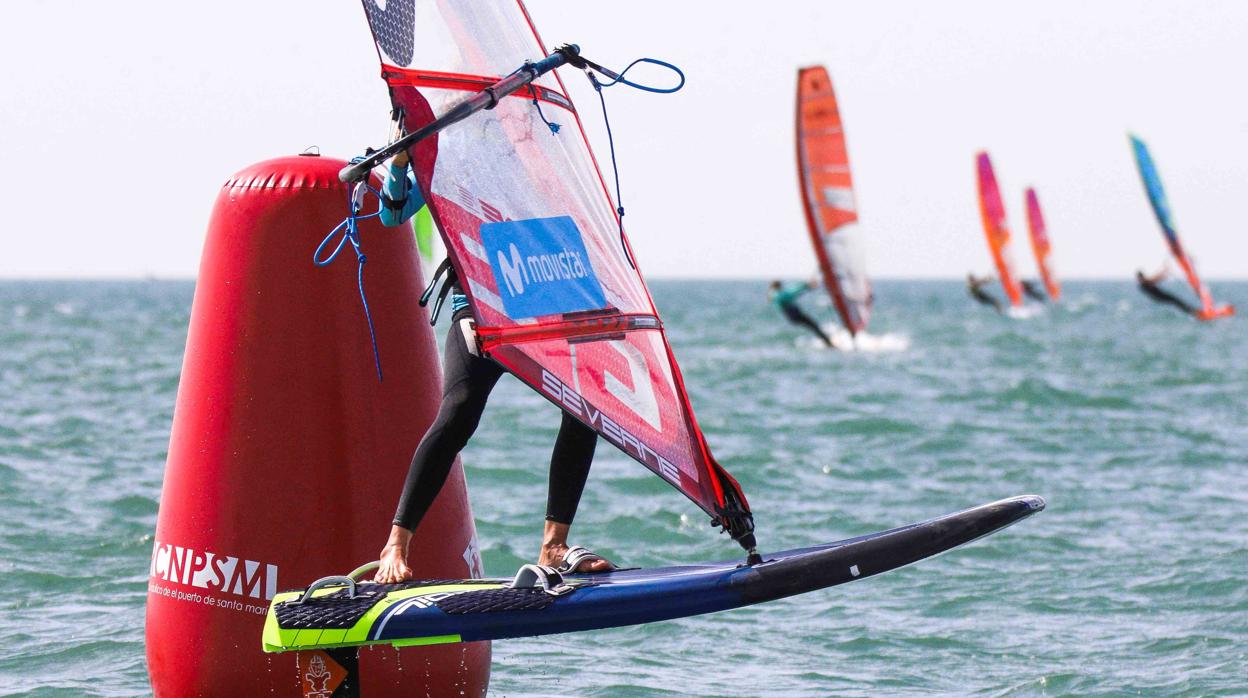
[(1131, 419)]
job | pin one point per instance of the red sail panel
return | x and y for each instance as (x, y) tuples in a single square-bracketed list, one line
[(992, 210), (828, 198), (1040, 245), (532, 233)]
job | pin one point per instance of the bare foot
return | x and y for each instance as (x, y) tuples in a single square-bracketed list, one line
[(555, 547), (553, 554)]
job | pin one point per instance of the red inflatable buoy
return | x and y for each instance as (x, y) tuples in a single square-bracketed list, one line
[(288, 455)]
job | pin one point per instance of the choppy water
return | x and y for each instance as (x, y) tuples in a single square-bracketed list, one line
[(1131, 419)]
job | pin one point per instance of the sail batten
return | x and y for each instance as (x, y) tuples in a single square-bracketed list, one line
[(826, 185), (534, 237)]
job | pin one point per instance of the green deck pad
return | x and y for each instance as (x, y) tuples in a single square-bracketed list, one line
[(312, 633)]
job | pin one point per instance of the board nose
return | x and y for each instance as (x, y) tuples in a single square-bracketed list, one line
[(1034, 501)]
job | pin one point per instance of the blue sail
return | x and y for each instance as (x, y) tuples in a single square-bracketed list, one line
[(1156, 192)]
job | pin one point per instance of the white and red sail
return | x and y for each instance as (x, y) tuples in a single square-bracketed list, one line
[(992, 210), (828, 198), (534, 238), (1040, 245)]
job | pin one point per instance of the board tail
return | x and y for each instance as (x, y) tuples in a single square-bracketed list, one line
[(1217, 311)]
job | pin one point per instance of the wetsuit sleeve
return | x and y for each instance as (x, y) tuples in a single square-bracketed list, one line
[(401, 198), (786, 296)]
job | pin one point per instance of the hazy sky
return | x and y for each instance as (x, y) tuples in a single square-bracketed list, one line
[(120, 121)]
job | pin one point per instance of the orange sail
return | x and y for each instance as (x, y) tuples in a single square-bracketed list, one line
[(1040, 245), (828, 198), (992, 209)]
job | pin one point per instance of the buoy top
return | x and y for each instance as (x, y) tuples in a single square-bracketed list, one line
[(291, 172)]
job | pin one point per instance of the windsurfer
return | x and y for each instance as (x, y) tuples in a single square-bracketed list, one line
[(468, 379), (975, 286), (1151, 286), (786, 300), (1033, 291)]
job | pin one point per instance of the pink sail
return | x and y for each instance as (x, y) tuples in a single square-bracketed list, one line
[(1041, 246), (992, 210)]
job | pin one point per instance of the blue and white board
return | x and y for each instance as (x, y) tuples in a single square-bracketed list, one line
[(441, 611)]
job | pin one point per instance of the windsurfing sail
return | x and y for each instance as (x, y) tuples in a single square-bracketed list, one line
[(1161, 208), (828, 198), (1040, 245), (992, 210), (535, 241)]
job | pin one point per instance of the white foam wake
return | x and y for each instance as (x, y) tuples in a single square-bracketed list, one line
[(1025, 312), (866, 342)]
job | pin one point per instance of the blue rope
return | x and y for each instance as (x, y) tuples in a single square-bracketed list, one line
[(615, 170), (554, 128), (350, 229), (619, 78)]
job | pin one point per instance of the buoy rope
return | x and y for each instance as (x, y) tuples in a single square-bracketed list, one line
[(350, 232)]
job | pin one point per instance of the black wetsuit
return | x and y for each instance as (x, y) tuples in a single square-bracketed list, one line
[(1152, 290), (786, 299), (467, 382), (1032, 290), (797, 316), (983, 296)]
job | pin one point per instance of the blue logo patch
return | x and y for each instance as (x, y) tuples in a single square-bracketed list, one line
[(541, 267)]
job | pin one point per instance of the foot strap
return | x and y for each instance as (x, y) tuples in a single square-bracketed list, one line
[(548, 579), (578, 554)]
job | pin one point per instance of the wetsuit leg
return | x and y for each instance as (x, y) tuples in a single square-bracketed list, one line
[(569, 468), (798, 317), (1034, 292), (986, 299), (1162, 296), (466, 387)]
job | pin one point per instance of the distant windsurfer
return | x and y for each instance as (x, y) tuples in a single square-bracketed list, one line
[(785, 298), (975, 286), (1151, 286), (468, 379), (1033, 291)]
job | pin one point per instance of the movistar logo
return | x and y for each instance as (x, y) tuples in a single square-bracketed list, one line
[(519, 271), (514, 274), (541, 267)]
